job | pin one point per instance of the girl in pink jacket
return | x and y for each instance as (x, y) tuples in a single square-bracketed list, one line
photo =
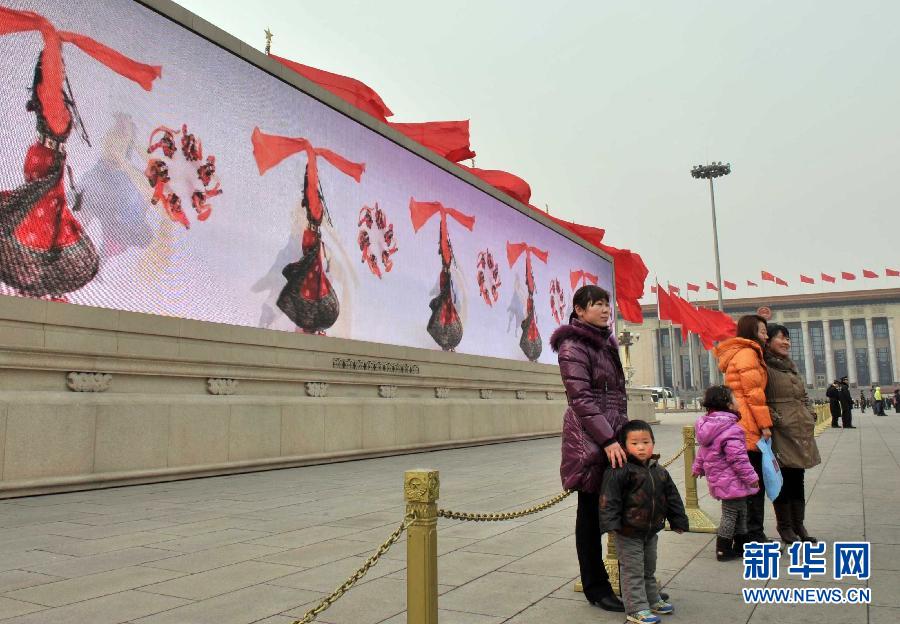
[(722, 459)]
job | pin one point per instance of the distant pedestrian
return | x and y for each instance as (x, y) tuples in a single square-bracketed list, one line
[(595, 389), (897, 400), (862, 401), (635, 502), (722, 459), (741, 361), (834, 402), (846, 404), (793, 435)]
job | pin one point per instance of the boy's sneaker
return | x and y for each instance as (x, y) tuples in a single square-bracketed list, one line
[(662, 607), (643, 617)]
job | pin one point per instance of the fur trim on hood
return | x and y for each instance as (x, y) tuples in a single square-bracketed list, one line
[(583, 332)]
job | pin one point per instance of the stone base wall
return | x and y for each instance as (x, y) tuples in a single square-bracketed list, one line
[(92, 398)]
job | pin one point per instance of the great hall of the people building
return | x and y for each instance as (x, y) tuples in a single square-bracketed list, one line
[(852, 333)]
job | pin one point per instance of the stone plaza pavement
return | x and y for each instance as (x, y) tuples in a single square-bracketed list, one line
[(264, 547)]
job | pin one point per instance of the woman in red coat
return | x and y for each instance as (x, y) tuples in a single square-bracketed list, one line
[(595, 388)]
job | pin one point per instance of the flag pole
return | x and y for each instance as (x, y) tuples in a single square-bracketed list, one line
[(671, 340), (691, 346)]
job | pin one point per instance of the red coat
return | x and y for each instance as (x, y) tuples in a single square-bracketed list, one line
[(595, 388)]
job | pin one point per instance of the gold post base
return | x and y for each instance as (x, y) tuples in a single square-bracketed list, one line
[(699, 522)]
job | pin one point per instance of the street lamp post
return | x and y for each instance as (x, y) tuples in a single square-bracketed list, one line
[(710, 172)]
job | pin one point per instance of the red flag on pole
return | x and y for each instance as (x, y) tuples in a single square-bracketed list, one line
[(868, 273), (754, 284), (653, 289), (828, 278), (711, 286), (767, 277), (666, 307), (847, 276), (729, 285), (807, 280), (892, 273), (721, 326), (780, 282), (693, 287), (674, 289)]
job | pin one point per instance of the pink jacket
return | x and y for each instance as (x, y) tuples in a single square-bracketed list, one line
[(722, 457)]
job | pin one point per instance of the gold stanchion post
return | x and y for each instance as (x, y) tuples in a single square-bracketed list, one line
[(421, 489), (698, 521)]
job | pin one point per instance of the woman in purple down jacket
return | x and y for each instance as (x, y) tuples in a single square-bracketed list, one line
[(723, 460), (595, 388)]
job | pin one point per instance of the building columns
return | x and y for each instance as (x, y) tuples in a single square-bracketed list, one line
[(808, 364), (695, 362), (870, 347), (892, 337), (851, 352)]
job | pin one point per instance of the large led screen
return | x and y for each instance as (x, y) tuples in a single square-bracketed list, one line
[(144, 168)]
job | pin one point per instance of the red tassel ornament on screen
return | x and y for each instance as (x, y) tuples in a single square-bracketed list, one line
[(44, 250), (530, 341), (581, 278), (444, 325), (308, 298)]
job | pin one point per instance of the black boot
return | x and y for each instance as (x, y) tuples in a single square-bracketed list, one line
[(725, 550), (739, 540), (798, 513), (784, 522)]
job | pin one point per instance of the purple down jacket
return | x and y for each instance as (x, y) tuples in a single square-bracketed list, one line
[(595, 388), (722, 457)]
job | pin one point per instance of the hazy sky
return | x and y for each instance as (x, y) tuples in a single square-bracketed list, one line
[(604, 107)]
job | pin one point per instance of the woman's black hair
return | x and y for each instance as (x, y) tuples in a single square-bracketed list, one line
[(585, 296), (635, 425), (717, 398), (777, 328)]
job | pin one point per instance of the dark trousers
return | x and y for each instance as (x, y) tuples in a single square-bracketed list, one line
[(589, 544), (756, 503), (835, 413), (793, 489), (846, 416), (879, 408)]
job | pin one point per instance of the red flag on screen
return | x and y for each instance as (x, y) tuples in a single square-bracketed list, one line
[(449, 139), (693, 287), (892, 273), (729, 285), (870, 274), (767, 277), (711, 286), (847, 276), (828, 278), (352, 91), (512, 185), (631, 273), (754, 284), (780, 282), (807, 280)]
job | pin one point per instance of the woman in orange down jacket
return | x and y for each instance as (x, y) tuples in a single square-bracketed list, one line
[(741, 362)]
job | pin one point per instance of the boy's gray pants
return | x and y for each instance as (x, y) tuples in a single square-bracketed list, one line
[(637, 571)]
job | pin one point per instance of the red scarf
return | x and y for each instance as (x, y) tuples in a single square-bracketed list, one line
[(421, 212), (269, 150), (577, 276), (50, 89)]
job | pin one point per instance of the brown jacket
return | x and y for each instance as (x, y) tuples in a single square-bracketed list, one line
[(794, 422), (741, 362)]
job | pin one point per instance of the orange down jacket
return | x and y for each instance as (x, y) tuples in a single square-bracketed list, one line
[(741, 362)]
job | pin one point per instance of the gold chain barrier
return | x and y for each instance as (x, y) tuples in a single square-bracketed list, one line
[(421, 490), (333, 597), (497, 517)]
